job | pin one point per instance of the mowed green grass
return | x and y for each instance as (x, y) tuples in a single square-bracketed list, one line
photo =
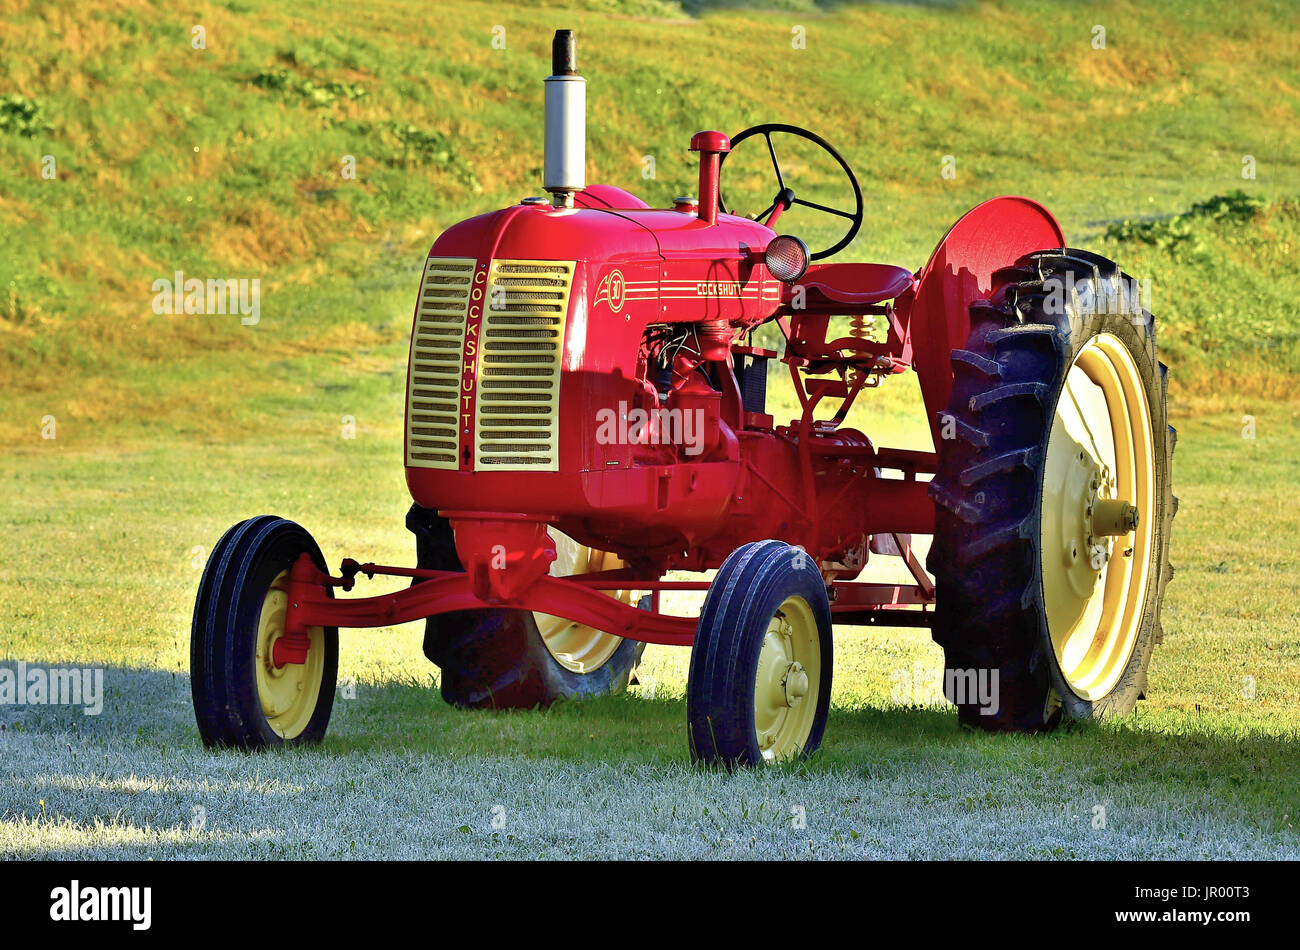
[(170, 429)]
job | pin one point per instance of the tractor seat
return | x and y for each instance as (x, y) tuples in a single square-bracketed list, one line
[(855, 283)]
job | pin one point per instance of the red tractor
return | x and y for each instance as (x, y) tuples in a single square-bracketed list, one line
[(586, 412)]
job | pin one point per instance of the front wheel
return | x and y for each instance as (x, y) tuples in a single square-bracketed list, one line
[(759, 687), (241, 697)]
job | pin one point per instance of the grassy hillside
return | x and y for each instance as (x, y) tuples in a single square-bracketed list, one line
[(225, 161)]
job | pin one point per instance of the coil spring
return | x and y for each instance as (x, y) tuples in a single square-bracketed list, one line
[(862, 326)]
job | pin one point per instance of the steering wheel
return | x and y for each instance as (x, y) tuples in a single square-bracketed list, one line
[(785, 195)]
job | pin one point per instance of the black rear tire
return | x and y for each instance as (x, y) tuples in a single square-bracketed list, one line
[(224, 638), (497, 658), (990, 613)]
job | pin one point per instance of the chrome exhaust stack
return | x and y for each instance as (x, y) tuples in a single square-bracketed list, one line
[(566, 123)]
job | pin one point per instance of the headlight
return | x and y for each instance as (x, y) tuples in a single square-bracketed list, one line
[(786, 257)]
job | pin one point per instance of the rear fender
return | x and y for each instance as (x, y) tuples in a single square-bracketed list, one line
[(992, 235)]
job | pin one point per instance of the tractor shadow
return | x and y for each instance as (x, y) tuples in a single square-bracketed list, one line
[(147, 715), (133, 705)]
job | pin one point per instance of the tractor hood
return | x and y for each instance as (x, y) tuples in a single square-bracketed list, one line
[(540, 232), (600, 235)]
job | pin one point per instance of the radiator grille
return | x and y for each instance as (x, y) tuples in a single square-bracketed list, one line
[(522, 341), (437, 345)]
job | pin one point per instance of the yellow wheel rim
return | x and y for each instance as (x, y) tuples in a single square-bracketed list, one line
[(788, 683), (289, 693), (1099, 478), (577, 647)]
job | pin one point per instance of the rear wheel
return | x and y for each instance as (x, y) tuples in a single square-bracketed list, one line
[(1053, 500), (577, 647), (497, 658), (760, 676), (241, 697)]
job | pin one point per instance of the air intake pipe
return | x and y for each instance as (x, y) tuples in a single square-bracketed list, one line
[(711, 146), (566, 123)]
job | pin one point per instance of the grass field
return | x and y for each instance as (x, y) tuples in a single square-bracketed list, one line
[(225, 162), (1198, 771)]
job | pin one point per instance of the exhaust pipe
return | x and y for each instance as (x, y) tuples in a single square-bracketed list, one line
[(566, 123)]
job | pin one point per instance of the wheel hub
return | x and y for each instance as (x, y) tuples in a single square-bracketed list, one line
[(287, 692), (795, 683), (787, 680)]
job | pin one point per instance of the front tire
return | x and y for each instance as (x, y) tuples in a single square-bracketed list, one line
[(759, 687), (1058, 444), (241, 699)]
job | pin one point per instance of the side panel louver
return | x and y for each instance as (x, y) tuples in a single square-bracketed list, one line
[(517, 422), (437, 346)]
